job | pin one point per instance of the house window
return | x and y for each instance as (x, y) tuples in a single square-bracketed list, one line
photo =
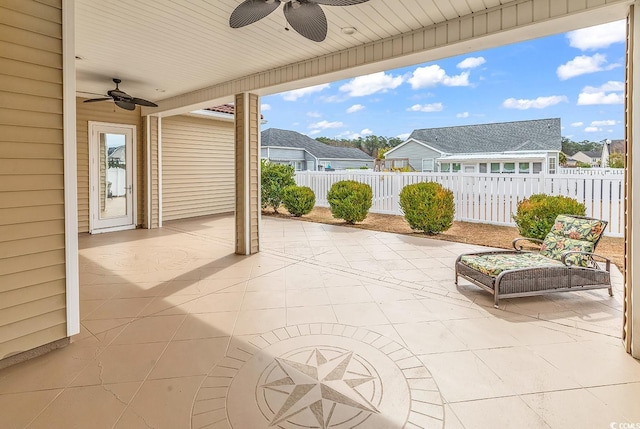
[(509, 167), (495, 167), (445, 167), (455, 167), (483, 167), (552, 165), (523, 167), (537, 167), (427, 164)]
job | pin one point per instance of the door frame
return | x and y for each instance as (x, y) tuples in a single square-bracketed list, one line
[(93, 174)]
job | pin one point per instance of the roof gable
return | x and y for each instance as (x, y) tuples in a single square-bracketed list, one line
[(284, 138), (536, 135), (409, 141)]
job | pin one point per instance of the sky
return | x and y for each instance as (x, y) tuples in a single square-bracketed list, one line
[(576, 76)]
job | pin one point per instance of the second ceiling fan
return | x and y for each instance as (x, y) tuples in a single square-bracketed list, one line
[(304, 16)]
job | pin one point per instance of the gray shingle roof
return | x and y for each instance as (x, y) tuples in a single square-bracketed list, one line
[(540, 134), (284, 138), (593, 153)]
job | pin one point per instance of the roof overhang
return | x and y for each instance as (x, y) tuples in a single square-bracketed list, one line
[(502, 156)]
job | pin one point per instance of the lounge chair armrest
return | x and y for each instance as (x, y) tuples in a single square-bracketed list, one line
[(519, 247), (593, 257)]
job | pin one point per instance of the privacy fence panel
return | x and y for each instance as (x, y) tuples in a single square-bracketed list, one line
[(486, 198)]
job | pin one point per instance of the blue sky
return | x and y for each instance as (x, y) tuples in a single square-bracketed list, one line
[(576, 76)]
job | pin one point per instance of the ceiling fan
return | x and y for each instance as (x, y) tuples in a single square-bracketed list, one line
[(304, 16), (122, 99)]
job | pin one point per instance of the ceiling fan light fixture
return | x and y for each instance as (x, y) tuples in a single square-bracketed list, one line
[(295, 4), (349, 31)]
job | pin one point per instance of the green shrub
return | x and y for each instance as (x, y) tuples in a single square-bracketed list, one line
[(427, 207), (535, 216), (274, 178), (350, 200), (298, 200)]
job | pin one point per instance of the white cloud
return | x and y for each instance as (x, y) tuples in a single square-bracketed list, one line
[(314, 132), (355, 108), (424, 77), (298, 93), (371, 84), (538, 103), (592, 129), (352, 136), (462, 115), (403, 136), (611, 92), (264, 107), (577, 124), (314, 114), (471, 62), (366, 132), (584, 64), (603, 123), (323, 125), (433, 107), (600, 36)]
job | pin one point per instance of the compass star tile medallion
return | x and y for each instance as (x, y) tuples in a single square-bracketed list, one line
[(319, 376)]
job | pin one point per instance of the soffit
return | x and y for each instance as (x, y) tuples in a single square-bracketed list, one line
[(182, 46)]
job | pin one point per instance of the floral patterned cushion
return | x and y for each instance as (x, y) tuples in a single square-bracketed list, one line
[(493, 264), (572, 233)]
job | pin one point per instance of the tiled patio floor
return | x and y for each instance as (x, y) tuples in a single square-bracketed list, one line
[(326, 327)]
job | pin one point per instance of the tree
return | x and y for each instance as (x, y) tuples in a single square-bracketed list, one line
[(616, 160), (562, 158)]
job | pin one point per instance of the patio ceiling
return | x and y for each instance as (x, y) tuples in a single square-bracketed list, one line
[(163, 49)]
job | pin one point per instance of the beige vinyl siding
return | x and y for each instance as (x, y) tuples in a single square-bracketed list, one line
[(32, 244), (155, 201), (106, 112), (415, 152), (197, 167), (249, 194)]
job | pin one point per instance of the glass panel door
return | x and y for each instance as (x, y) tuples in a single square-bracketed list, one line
[(111, 187)]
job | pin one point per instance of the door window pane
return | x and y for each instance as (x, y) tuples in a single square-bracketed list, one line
[(113, 176)]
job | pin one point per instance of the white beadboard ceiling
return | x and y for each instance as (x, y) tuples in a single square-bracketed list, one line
[(165, 48)]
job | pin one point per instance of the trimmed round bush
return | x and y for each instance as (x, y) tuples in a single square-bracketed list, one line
[(427, 207), (273, 179), (298, 200), (350, 200), (535, 215)]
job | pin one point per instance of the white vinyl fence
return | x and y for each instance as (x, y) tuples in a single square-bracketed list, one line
[(485, 198)]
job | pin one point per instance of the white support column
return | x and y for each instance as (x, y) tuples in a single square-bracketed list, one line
[(148, 169), (70, 169), (159, 172)]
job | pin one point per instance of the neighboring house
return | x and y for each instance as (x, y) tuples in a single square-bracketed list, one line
[(508, 147), (611, 147), (305, 153), (592, 157)]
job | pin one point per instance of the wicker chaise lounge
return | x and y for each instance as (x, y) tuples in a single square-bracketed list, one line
[(565, 262)]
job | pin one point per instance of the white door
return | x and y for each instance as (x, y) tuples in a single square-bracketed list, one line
[(111, 177)]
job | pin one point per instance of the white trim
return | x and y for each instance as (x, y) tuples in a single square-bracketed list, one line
[(349, 159), (72, 270), (113, 229), (259, 175), (148, 166), (247, 176), (412, 140), (633, 228), (159, 172), (111, 225), (229, 117)]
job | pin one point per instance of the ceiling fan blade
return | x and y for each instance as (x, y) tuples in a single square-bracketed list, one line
[(93, 100), (308, 19), (339, 2), (251, 11), (143, 102), (127, 105)]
